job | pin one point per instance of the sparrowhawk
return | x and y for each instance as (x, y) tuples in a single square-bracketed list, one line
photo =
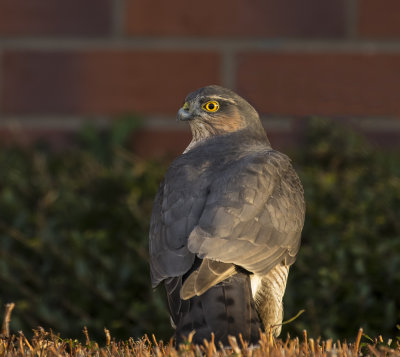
[(226, 223)]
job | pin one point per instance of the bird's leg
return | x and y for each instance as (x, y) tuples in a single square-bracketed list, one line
[(268, 298)]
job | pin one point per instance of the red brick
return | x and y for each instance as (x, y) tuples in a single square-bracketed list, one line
[(321, 84), (146, 143), (383, 139), (281, 18), (160, 143), (55, 17), (167, 144), (172, 142), (103, 82), (57, 139), (379, 18)]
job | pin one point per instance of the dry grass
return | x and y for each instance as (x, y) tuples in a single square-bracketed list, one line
[(45, 343)]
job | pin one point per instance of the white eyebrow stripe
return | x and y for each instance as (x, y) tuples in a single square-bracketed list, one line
[(222, 98)]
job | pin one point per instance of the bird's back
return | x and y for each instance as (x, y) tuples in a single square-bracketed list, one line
[(230, 208)]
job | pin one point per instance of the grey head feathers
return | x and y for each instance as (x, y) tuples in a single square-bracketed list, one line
[(229, 113)]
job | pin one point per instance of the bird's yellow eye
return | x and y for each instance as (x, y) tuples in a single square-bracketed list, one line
[(212, 106)]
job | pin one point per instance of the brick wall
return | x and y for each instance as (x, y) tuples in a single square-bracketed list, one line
[(66, 62)]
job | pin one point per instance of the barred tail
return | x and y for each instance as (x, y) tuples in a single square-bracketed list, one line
[(226, 309)]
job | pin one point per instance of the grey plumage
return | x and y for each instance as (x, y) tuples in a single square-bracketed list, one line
[(226, 222)]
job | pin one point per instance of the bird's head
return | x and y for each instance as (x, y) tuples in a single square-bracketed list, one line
[(214, 110)]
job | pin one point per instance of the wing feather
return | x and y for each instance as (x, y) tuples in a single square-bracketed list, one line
[(265, 229), (209, 274), (248, 212)]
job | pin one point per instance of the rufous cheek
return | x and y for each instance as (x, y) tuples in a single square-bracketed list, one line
[(229, 124)]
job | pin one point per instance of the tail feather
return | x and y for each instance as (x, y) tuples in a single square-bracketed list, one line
[(225, 309)]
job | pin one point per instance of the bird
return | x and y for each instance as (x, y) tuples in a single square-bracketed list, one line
[(226, 223)]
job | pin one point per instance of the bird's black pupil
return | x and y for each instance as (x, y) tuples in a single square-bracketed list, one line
[(211, 106)]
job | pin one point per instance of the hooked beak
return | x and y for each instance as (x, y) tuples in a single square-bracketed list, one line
[(185, 113)]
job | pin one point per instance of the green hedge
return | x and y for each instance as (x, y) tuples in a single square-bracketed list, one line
[(73, 238), (74, 225), (348, 271)]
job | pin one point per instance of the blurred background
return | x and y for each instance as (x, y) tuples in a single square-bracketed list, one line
[(88, 96)]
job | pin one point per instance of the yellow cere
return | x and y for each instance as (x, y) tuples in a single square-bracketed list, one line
[(211, 106), (185, 106)]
